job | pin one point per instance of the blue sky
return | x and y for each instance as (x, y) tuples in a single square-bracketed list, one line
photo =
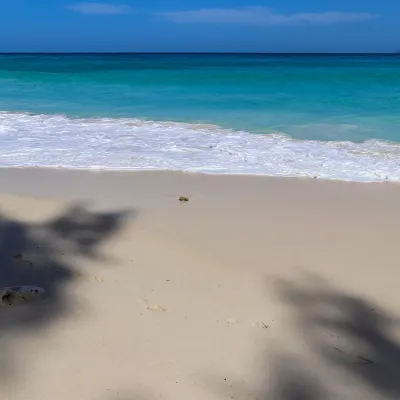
[(200, 26)]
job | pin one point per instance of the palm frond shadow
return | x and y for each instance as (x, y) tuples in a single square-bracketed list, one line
[(49, 247), (372, 354), (347, 335)]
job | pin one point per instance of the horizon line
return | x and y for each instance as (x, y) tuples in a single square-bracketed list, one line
[(190, 53)]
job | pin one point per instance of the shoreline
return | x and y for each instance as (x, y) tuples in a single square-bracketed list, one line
[(178, 171), (52, 141), (9, 174)]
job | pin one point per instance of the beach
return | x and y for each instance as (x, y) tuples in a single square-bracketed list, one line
[(255, 288)]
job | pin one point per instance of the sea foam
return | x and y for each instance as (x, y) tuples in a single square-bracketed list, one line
[(112, 143)]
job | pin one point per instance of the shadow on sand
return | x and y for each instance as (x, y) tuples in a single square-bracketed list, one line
[(354, 352), (347, 333), (366, 350), (53, 248)]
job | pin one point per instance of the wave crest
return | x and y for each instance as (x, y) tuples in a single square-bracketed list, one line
[(110, 143)]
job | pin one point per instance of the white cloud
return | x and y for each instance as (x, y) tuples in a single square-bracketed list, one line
[(262, 16), (100, 8)]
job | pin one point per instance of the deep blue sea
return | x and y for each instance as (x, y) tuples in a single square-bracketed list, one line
[(328, 116)]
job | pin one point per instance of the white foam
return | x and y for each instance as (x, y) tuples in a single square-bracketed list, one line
[(107, 143)]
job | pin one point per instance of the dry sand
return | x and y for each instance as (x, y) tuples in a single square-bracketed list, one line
[(257, 288)]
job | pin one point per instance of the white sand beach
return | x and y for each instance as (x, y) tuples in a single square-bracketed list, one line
[(256, 288)]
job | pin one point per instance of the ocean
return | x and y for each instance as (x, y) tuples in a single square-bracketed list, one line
[(322, 116)]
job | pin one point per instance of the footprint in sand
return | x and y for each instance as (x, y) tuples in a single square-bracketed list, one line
[(98, 279), (154, 308), (259, 324), (19, 258), (228, 322)]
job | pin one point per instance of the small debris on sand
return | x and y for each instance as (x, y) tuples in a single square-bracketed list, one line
[(13, 295), (183, 199), (363, 360), (355, 359)]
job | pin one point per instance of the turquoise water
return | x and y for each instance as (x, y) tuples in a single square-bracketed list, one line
[(329, 98), (256, 93)]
